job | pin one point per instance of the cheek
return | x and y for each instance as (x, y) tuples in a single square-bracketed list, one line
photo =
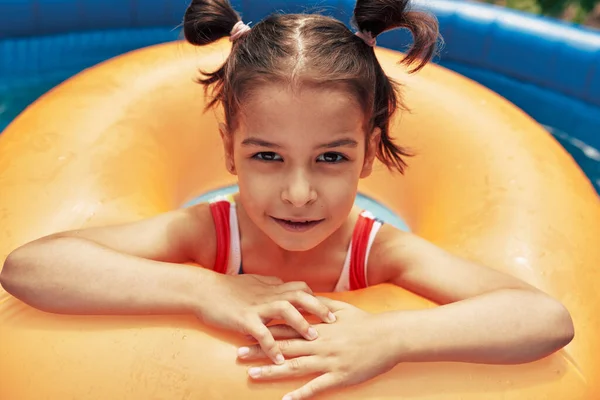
[(340, 191), (256, 190)]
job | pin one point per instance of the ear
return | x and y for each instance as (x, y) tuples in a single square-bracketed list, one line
[(227, 140), (371, 153)]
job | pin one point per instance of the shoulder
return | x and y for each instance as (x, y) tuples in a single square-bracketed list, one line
[(391, 252), (412, 262), (178, 236), (202, 234)]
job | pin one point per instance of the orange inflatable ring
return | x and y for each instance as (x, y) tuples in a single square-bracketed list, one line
[(128, 139)]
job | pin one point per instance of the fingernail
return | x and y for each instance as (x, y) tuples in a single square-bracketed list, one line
[(254, 372), (331, 317), (312, 333), (242, 351), (279, 359), (287, 397)]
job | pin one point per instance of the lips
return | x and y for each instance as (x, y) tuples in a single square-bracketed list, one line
[(297, 224)]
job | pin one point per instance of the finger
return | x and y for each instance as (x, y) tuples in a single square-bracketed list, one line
[(314, 387), (293, 367), (289, 348), (265, 339), (310, 304), (294, 286), (268, 280), (286, 311), (283, 331), (333, 305)]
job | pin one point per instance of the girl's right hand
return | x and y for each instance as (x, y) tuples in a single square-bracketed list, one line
[(246, 303)]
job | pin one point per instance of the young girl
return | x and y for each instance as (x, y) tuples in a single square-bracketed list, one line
[(307, 111)]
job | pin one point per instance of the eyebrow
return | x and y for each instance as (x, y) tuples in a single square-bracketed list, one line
[(260, 143), (346, 142)]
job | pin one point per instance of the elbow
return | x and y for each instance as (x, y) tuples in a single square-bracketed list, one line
[(549, 329), (554, 329), (17, 276), (9, 276), (562, 326)]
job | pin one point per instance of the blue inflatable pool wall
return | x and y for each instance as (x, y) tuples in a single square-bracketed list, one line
[(549, 69)]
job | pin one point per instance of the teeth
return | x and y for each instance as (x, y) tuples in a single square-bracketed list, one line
[(289, 221)]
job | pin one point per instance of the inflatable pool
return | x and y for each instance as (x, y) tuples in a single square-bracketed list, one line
[(488, 184)]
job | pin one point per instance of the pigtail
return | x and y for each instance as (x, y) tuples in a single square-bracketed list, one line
[(378, 16), (207, 21), (424, 28), (373, 17), (386, 102)]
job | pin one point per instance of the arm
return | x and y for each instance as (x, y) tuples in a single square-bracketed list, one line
[(510, 326), (125, 269), (485, 316), (135, 269)]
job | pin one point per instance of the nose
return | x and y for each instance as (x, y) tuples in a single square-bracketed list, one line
[(298, 189)]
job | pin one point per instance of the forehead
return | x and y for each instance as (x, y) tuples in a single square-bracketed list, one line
[(306, 111)]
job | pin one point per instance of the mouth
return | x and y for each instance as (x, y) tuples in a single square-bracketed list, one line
[(297, 224)]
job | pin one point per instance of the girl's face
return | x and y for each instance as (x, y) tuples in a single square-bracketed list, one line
[(299, 156)]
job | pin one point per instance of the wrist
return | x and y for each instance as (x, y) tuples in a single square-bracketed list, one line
[(198, 293), (397, 329)]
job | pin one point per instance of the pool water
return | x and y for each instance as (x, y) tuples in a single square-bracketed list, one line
[(16, 99), (586, 156)]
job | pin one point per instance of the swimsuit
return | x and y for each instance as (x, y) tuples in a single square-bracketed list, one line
[(229, 257)]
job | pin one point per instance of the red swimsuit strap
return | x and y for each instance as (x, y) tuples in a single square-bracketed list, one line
[(220, 213), (358, 256)]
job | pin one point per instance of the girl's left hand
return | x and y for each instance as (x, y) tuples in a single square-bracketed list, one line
[(356, 348)]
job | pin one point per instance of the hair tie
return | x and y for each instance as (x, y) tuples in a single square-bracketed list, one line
[(239, 29), (367, 37)]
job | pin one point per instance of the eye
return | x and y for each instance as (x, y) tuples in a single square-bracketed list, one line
[(267, 156), (331, 158)]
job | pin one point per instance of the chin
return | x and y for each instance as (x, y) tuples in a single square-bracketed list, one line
[(296, 244), (295, 241)]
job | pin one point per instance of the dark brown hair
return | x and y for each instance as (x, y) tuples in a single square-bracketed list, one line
[(314, 49)]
